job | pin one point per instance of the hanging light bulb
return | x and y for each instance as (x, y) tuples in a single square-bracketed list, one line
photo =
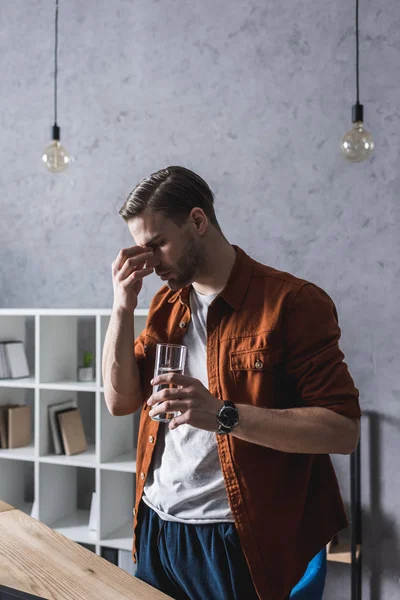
[(55, 157), (357, 144)]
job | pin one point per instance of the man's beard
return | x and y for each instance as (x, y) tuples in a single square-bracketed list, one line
[(190, 264)]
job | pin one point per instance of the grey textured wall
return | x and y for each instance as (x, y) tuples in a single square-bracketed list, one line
[(253, 95)]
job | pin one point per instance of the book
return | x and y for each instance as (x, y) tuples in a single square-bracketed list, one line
[(4, 425), (58, 413), (72, 432), (55, 433), (3, 370), (19, 426), (4, 367), (13, 360)]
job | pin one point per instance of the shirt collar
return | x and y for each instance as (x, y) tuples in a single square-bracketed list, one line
[(236, 286)]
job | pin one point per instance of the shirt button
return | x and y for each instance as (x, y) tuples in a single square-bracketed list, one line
[(142, 476), (259, 364), (151, 439), (182, 324)]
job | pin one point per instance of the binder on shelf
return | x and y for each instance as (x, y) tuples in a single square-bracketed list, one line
[(53, 409), (13, 362), (72, 432)]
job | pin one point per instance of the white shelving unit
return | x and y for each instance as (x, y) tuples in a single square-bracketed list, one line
[(62, 485)]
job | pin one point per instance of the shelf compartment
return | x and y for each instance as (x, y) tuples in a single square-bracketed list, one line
[(65, 495), (86, 402), (20, 328), (62, 341), (19, 395), (117, 489), (119, 436), (17, 483)]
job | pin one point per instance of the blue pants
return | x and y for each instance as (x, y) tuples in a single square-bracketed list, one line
[(192, 562)]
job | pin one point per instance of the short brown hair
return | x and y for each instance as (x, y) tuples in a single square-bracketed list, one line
[(173, 191)]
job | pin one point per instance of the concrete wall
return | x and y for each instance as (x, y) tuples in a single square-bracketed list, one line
[(254, 96)]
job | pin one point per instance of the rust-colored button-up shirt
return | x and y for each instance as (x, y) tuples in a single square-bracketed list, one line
[(272, 342)]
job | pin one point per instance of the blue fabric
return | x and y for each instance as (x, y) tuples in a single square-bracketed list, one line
[(206, 562), (192, 562), (311, 585)]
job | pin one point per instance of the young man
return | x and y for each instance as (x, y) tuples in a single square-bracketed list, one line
[(237, 494)]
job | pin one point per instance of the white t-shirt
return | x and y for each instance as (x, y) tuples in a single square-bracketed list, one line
[(186, 483)]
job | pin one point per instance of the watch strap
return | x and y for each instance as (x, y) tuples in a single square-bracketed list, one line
[(229, 403)]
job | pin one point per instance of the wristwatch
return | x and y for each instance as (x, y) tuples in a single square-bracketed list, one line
[(227, 418)]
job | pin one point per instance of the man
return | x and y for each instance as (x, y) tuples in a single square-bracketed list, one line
[(237, 494)]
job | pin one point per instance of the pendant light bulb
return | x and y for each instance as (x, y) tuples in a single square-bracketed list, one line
[(357, 144), (55, 157)]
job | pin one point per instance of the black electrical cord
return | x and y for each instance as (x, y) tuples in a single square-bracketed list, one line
[(55, 64), (357, 57), (358, 109), (56, 129)]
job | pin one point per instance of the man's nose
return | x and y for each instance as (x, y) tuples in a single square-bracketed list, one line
[(153, 261)]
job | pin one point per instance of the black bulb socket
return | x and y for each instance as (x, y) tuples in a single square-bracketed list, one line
[(357, 112), (56, 132)]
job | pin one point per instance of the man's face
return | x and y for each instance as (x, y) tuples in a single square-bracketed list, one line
[(178, 252)]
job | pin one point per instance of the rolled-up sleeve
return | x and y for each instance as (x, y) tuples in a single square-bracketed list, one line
[(314, 361)]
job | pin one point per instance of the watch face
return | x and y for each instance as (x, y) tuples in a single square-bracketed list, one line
[(228, 416)]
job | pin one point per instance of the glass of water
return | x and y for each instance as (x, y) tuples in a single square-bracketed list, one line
[(170, 358)]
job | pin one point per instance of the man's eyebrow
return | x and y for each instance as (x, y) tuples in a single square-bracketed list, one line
[(153, 239)]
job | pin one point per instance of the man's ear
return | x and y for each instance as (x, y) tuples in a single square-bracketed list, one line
[(199, 220)]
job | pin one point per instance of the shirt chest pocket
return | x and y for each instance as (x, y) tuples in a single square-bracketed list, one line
[(257, 375)]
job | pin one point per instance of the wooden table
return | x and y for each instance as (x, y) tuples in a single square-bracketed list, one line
[(36, 559)]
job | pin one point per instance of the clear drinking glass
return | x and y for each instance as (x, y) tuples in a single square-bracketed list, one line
[(170, 358)]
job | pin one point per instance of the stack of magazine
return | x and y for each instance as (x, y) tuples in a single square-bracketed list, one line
[(13, 363), (66, 428)]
